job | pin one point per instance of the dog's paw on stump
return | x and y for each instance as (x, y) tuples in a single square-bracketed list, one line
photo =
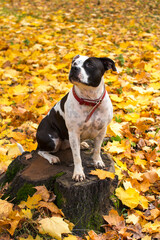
[(83, 202)]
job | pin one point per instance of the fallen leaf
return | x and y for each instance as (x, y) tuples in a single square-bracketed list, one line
[(27, 213), (113, 218), (71, 237), (102, 174), (5, 208), (51, 206), (129, 197), (53, 226), (32, 202), (132, 218), (43, 192)]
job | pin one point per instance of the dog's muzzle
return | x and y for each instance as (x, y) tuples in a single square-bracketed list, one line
[(74, 74)]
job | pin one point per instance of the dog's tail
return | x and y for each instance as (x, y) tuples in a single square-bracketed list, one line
[(20, 148)]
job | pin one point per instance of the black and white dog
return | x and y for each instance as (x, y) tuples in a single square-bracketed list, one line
[(81, 114)]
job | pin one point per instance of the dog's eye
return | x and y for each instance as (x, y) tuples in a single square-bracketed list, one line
[(89, 65)]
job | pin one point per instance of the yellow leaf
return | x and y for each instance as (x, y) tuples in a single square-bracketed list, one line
[(122, 165), (3, 150), (53, 226), (148, 67), (27, 213), (114, 129), (146, 238), (14, 224), (115, 98), (115, 147), (70, 55), (10, 73), (5, 208), (129, 197), (146, 119), (132, 218), (143, 202), (140, 162), (13, 150), (132, 117), (6, 109), (151, 227), (136, 175), (20, 90), (111, 78), (118, 172), (32, 202), (102, 174)]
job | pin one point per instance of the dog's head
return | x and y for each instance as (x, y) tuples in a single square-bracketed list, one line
[(89, 70)]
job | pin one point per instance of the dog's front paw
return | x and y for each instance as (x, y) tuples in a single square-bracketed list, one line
[(53, 160), (99, 164), (78, 175)]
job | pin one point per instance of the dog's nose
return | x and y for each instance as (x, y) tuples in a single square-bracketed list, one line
[(75, 68)]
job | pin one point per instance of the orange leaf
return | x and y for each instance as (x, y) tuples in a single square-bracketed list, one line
[(113, 218), (102, 174)]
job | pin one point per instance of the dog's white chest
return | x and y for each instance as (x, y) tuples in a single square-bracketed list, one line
[(92, 128), (76, 115)]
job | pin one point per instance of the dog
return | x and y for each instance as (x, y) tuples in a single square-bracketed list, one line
[(81, 114)]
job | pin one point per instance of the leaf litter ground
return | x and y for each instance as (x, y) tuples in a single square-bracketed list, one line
[(37, 44)]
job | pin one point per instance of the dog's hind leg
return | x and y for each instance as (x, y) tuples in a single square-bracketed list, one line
[(48, 143)]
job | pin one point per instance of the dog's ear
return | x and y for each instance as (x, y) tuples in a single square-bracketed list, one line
[(108, 64), (77, 56)]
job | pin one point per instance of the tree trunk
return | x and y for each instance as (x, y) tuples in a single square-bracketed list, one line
[(83, 203)]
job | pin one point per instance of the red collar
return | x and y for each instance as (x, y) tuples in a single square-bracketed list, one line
[(89, 102)]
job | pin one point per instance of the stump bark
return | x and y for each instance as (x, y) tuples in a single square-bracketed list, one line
[(83, 203)]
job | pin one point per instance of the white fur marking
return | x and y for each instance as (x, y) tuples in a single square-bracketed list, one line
[(117, 70), (57, 107), (79, 63), (20, 148)]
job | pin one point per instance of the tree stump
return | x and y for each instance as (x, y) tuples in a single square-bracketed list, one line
[(83, 203)]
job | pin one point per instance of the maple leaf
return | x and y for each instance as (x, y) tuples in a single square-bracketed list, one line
[(27, 213), (151, 227), (53, 226), (32, 202), (43, 192), (102, 174), (51, 206), (94, 236), (132, 218), (115, 129), (129, 197), (113, 218)]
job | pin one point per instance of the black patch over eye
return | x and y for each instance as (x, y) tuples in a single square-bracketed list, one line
[(89, 65)]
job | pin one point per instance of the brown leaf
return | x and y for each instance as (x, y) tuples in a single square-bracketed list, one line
[(152, 214), (51, 206), (151, 175), (114, 219), (42, 190)]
